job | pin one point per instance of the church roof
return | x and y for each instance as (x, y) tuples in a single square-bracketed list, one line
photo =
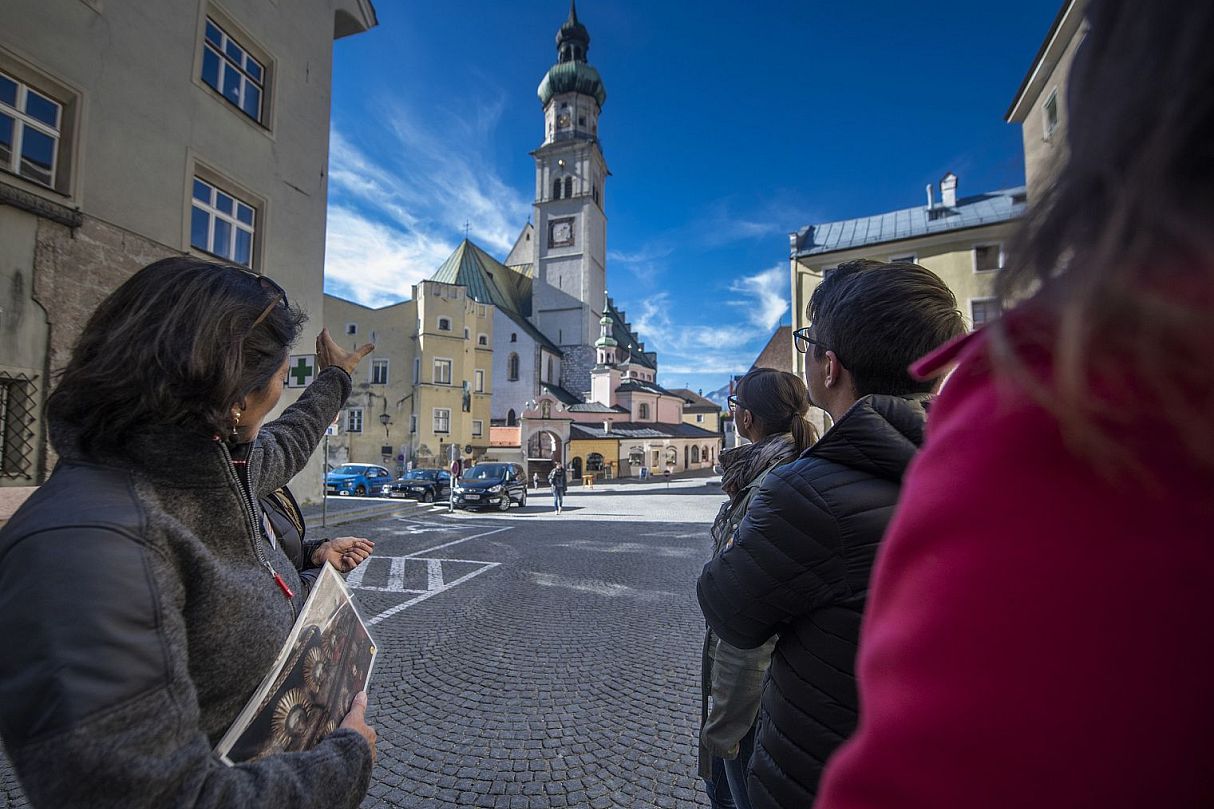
[(631, 347), (778, 351), (908, 223), (572, 77), (560, 394), (640, 429), (490, 281), (596, 407), (641, 386)]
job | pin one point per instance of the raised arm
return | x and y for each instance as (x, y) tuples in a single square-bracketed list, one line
[(784, 562)]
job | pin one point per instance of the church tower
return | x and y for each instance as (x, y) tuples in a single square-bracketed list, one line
[(570, 226)]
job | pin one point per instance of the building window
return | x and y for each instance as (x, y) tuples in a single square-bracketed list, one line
[(354, 420), (30, 127), (478, 377), (222, 224), (442, 372), (379, 372), (513, 337), (988, 257), (512, 368), (568, 186), (594, 462), (444, 324), (231, 71), (1050, 114), (551, 375), (465, 332), (907, 259), (556, 188), (351, 328), (482, 339), (511, 418), (417, 370), (983, 310), (413, 423), (643, 411), (699, 418), (17, 411), (442, 420), (478, 428), (695, 454)]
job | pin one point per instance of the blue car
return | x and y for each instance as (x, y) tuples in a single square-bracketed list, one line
[(359, 479)]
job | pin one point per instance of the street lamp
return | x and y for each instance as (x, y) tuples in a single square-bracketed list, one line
[(385, 419)]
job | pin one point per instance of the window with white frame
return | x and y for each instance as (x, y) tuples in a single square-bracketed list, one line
[(988, 257), (413, 423), (221, 223), (1049, 114), (442, 372), (512, 368), (379, 372), (983, 310), (351, 328), (482, 339), (444, 324), (30, 127), (699, 418), (417, 370), (230, 70), (478, 380), (354, 420), (442, 420), (643, 411), (466, 332), (478, 428)]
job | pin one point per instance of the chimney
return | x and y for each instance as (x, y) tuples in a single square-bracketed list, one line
[(948, 190), (606, 426), (931, 200)]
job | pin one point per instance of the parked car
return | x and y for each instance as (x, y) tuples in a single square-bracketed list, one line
[(359, 479), (426, 485), (491, 485)]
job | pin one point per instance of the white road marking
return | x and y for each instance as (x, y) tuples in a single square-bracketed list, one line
[(599, 588), (388, 613), (434, 574)]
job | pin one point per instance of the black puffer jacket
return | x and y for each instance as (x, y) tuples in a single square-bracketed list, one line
[(800, 567)]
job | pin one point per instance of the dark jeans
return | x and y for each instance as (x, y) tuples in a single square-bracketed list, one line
[(727, 789), (558, 497)]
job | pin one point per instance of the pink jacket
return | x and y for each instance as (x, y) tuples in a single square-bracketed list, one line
[(1038, 634)]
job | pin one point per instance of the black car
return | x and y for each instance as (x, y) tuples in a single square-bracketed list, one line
[(491, 485), (426, 485)]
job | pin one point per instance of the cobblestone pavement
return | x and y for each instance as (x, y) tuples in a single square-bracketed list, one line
[(530, 659)]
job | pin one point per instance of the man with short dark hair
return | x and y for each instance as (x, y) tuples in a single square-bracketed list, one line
[(800, 563)]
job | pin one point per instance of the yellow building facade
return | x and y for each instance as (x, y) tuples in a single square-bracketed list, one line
[(423, 396)]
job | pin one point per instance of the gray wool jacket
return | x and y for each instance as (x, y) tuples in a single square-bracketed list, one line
[(139, 614)]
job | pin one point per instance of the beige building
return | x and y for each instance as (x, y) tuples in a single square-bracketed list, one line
[(134, 131), (424, 395), (701, 412), (1040, 103), (961, 239)]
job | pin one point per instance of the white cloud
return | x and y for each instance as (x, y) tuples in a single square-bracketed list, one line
[(769, 291), (394, 219)]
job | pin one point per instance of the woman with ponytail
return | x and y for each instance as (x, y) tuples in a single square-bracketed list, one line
[(769, 409)]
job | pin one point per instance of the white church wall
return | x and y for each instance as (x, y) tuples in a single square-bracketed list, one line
[(509, 338)]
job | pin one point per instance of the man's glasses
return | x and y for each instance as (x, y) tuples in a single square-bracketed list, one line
[(270, 285), (733, 403), (803, 339)]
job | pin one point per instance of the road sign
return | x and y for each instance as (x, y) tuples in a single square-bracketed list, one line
[(301, 370)]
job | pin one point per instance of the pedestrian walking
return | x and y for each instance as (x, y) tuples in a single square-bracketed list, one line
[(149, 533), (456, 470), (801, 558), (559, 481), (769, 410), (1039, 626)]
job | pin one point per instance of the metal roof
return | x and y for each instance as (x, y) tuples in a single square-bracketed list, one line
[(490, 281), (641, 386), (908, 223), (633, 429)]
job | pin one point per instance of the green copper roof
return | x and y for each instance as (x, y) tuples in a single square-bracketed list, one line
[(490, 281), (572, 77)]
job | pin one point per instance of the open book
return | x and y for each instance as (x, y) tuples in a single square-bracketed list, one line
[(325, 661)]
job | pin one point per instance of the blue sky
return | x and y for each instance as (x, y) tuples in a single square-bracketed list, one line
[(727, 125)]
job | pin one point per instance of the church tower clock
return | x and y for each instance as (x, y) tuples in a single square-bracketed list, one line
[(570, 226)]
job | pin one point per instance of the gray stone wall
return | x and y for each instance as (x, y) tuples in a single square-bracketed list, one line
[(575, 368)]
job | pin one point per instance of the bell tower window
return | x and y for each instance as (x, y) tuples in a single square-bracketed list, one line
[(556, 188), (568, 187)]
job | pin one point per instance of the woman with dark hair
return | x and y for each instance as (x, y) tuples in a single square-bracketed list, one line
[(769, 409), (142, 596), (1039, 624)]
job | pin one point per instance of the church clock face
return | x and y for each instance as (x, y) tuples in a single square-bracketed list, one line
[(560, 232), (563, 121)]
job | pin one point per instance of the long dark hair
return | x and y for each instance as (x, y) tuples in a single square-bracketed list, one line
[(1119, 254), (177, 344), (779, 401)]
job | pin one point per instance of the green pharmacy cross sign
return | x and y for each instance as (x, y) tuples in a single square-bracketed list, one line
[(301, 370)]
